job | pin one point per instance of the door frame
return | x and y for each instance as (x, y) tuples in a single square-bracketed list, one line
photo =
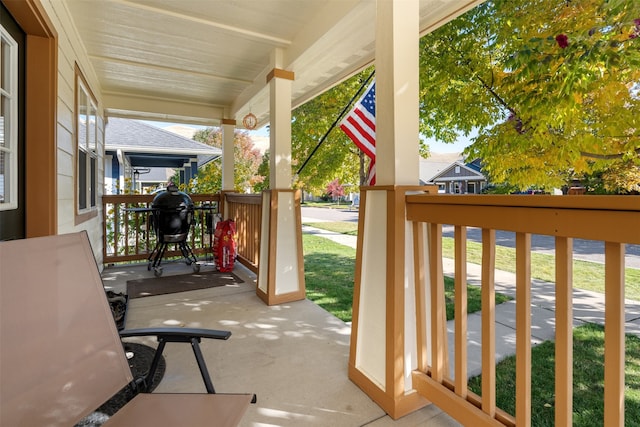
[(41, 73)]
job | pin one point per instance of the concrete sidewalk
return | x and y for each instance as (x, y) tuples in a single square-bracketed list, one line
[(588, 307)]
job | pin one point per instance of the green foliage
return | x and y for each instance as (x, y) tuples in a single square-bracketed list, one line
[(550, 85), (263, 171), (247, 160)]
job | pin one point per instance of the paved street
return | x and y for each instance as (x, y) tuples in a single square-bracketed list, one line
[(587, 250), (324, 214)]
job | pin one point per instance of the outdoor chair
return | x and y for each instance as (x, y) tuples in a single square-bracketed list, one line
[(61, 355)]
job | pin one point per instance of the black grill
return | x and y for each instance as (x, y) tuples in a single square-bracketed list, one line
[(171, 217)]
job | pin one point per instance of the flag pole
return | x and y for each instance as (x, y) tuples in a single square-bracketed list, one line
[(353, 98)]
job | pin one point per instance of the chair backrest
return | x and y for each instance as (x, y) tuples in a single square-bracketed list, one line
[(60, 353)]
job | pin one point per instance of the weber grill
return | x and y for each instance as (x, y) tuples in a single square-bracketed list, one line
[(171, 217)]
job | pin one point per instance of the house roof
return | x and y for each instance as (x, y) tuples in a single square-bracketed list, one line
[(198, 62), (436, 163), (149, 146), (458, 171)]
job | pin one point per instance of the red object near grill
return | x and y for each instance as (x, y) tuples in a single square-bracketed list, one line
[(224, 245)]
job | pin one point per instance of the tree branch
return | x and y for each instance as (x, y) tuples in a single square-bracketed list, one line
[(494, 93), (606, 156)]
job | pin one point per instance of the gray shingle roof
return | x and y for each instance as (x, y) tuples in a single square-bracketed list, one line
[(149, 146), (135, 136)]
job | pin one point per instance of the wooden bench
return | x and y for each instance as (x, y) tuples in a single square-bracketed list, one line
[(61, 356)]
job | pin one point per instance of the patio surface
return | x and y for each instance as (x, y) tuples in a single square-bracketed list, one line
[(292, 356)]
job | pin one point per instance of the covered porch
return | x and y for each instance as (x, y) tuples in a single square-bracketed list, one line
[(305, 366), (294, 356), (307, 362)]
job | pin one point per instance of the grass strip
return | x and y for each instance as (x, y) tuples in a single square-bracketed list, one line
[(588, 380), (330, 274)]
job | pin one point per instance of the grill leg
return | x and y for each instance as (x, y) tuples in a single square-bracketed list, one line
[(187, 253), (153, 256), (158, 259)]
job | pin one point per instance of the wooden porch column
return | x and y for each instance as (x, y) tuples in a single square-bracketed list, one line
[(383, 349), (228, 168), (281, 268)]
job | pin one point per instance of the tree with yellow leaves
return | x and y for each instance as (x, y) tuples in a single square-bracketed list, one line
[(551, 86)]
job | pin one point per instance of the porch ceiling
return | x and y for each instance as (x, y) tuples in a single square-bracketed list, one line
[(199, 61)]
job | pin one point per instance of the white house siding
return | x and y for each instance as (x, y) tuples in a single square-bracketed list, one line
[(71, 52)]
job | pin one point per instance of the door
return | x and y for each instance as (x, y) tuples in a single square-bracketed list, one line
[(12, 145)]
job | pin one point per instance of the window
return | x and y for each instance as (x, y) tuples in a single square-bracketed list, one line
[(8, 122), (87, 150)]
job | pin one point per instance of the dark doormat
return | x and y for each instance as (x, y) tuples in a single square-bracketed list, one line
[(139, 363), (187, 282)]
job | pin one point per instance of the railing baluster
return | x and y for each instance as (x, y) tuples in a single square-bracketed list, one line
[(564, 332), (566, 218), (438, 314), (420, 295), (461, 387), (614, 342), (116, 227), (488, 322), (523, 329)]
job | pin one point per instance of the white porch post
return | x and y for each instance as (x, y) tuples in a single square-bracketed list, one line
[(281, 272), (383, 339), (228, 163)]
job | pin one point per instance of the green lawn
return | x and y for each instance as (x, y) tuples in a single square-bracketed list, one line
[(588, 380), (329, 278), (349, 228)]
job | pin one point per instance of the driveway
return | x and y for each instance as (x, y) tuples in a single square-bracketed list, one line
[(586, 250)]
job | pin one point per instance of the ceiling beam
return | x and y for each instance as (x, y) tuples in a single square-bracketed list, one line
[(170, 110)]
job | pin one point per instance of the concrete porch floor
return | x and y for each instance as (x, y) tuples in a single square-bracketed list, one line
[(292, 356)]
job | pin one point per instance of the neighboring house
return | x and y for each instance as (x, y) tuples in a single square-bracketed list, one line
[(454, 177), (139, 156)]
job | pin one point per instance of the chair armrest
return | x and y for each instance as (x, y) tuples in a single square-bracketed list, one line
[(176, 334), (179, 335)]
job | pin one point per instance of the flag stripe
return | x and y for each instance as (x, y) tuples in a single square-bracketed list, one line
[(360, 127), (360, 136)]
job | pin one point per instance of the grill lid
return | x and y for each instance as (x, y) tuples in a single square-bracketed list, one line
[(172, 199)]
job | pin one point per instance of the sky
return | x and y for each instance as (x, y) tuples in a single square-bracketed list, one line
[(441, 147)]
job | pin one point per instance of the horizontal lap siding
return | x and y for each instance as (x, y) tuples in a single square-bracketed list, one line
[(71, 52)]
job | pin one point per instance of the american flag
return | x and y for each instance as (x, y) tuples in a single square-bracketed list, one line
[(360, 126)]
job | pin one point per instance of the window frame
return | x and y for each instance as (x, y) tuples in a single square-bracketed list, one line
[(86, 150), (10, 121)]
